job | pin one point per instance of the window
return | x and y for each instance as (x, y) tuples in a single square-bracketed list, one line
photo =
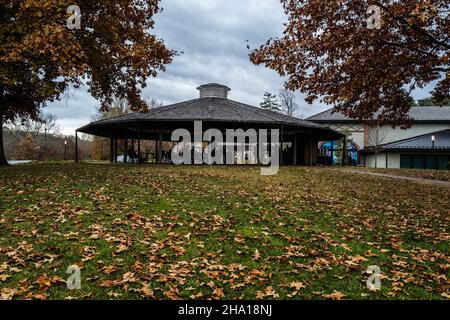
[(333, 150), (424, 161)]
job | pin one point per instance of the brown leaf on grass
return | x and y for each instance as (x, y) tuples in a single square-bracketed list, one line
[(3, 267), (256, 255), (121, 248), (138, 266), (218, 293), (129, 277), (239, 238), (346, 247), (44, 282), (108, 283), (7, 293), (335, 295), (268, 292), (355, 261), (11, 253), (113, 294), (179, 251), (296, 285), (446, 295), (146, 291), (39, 296), (3, 277), (258, 273), (15, 270), (260, 295), (197, 296), (109, 269), (173, 293)]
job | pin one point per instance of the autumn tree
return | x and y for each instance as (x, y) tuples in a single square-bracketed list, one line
[(377, 137), (270, 102), (43, 53), (430, 102), (288, 104), (100, 145), (26, 148), (336, 51), (44, 124)]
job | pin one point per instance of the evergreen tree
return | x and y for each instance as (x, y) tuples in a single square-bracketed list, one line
[(270, 102)]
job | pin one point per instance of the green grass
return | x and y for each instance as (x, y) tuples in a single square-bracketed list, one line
[(163, 232), (440, 175)]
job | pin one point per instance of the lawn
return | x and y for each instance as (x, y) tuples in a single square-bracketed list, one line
[(168, 232), (440, 175)]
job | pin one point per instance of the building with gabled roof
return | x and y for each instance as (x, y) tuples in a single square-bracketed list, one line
[(426, 144)]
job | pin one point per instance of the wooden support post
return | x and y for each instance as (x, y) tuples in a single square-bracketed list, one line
[(156, 150), (332, 150), (115, 150), (281, 145), (313, 152), (139, 143), (159, 154), (344, 150), (76, 146), (294, 160), (139, 149), (307, 149), (111, 150), (125, 152), (132, 148)]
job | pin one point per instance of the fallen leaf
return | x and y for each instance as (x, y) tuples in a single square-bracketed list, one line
[(297, 285), (335, 295)]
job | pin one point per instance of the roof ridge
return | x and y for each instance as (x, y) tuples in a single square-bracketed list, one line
[(252, 109), (168, 107), (413, 138), (322, 112)]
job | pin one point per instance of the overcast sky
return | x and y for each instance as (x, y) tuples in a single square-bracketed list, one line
[(212, 35)]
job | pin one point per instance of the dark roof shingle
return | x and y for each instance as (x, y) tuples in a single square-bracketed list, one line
[(211, 109), (422, 142), (438, 114)]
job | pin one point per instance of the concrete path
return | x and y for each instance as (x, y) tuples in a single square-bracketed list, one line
[(392, 176)]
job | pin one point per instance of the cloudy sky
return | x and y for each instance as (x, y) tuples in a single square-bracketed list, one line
[(212, 35)]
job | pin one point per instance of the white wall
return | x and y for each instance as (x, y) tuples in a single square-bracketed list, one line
[(393, 160), (391, 135), (356, 130), (388, 135)]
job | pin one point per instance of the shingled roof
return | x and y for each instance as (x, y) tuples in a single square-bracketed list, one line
[(422, 142), (419, 114), (210, 109), (213, 106)]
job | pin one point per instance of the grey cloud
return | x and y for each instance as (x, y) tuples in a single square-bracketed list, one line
[(212, 34)]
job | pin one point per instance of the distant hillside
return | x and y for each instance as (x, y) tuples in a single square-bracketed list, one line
[(20, 145)]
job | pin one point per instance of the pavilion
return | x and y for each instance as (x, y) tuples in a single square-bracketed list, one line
[(299, 138)]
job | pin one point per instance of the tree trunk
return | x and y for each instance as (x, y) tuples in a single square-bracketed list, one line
[(3, 161)]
